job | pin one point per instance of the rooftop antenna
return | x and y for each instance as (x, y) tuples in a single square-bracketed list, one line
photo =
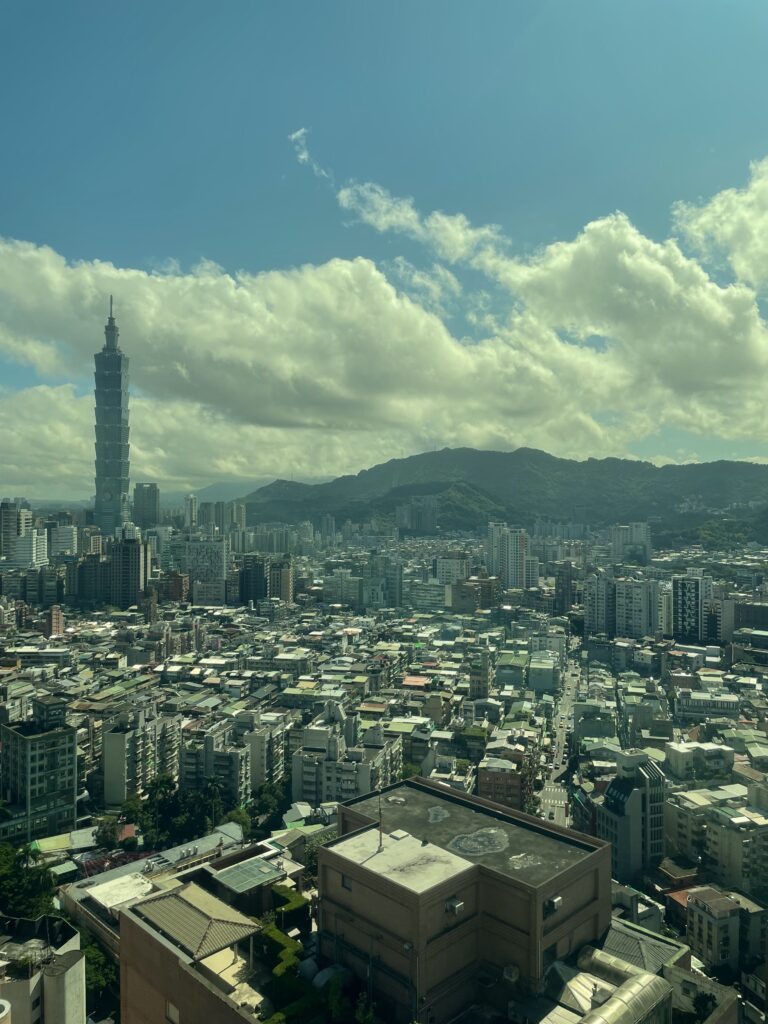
[(110, 307)]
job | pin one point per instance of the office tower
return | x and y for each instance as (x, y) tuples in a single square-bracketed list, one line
[(600, 605), (254, 579), (221, 516), (63, 540), (631, 816), (204, 560), (29, 550), (206, 514), (506, 550), (112, 448), (129, 571), (9, 526), (690, 595), (146, 505), (39, 775), (190, 511)]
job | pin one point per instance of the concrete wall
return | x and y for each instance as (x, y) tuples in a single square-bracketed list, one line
[(153, 973)]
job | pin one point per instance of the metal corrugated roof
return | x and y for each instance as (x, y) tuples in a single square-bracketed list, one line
[(196, 921)]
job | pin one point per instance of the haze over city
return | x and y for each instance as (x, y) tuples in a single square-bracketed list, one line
[(548, 230)]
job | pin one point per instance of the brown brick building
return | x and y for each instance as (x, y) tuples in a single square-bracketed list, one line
[(431, 896)]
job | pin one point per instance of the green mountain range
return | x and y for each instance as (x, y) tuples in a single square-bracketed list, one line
[(472, 486)]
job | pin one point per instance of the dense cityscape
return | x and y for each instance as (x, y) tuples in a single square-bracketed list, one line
[(374, 769), (383, 512)]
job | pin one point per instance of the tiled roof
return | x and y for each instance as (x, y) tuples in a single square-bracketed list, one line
[(196, 921), (638, 947)]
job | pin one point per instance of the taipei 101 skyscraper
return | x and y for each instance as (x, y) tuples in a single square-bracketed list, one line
[(112, 448)]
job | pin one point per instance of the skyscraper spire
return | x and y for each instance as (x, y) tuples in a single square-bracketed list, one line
[(111, 332)]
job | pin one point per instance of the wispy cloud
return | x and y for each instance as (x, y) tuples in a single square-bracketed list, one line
[(303, 155)]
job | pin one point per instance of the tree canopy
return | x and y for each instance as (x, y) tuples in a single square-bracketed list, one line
[(26, 884)]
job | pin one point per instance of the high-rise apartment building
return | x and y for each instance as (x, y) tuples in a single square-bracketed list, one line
[(39, 760), (565, 580), (281, 580), (146, 505), (506, 551), (190, 511), (129, 572), (112, 447), (631, 542), (691, 595), (600, 604), (637, 608), (136, 748)]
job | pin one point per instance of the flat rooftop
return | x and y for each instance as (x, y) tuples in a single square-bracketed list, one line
[(401, 858), (528, 852)]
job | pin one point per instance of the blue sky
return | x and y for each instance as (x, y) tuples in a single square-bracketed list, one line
[(155, 136)]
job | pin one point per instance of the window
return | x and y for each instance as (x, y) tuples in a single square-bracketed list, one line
[(171, 1013), (346, 883)]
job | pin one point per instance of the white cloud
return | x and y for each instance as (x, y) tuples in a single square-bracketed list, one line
[(734, 223), (301, 148), (320, 370), (452, 236)]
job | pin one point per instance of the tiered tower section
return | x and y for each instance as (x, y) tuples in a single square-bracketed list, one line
[(112, 447)]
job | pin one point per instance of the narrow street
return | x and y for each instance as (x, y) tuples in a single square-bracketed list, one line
[(554, 795)]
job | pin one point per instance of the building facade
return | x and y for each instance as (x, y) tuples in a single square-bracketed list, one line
[(112, 432)]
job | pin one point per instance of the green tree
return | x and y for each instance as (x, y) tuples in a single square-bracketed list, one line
[(100, 971), (107, 832), (26, 884), (242, 818)]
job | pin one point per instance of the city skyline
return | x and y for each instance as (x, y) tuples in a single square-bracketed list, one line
[(313, 294)]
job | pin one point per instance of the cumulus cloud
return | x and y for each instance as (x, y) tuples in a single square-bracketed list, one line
[(734, 224), (588, 346)]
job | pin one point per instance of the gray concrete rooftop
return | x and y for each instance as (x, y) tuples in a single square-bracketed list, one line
[(401, 858), (530, 853)]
